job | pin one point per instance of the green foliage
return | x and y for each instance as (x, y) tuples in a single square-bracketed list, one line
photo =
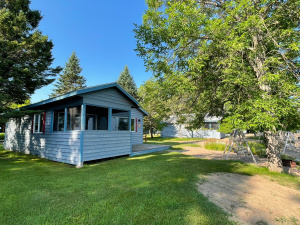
[(70, 79), (126, 81), (16, 106), (25, 54), (217, 146), (2, 135), (239, 58), (287, 157), (149, 93), (164, 103), (258, 148), (161, 187)]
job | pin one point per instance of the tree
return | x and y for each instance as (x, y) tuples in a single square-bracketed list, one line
[(163, 103), (241, 56), (149, 93), (25, 55), (70, 80), (127, 83)]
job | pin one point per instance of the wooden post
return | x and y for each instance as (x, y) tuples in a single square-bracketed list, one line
[(145, 137), (109, 118), (248, 148), (83, 114), (65, 119), (286, 142)]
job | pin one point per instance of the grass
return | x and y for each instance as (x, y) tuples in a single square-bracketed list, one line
[(2, 136), (253, 137), (213, 145), (159, 188), (258, 148), (176, 143)]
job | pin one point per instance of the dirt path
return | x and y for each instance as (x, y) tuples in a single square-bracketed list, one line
[(201, 152), (252, 199)]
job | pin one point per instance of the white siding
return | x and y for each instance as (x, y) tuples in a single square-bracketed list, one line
[(57, 146), (174, 131), (104, 144), (108, 98), (137, 137)]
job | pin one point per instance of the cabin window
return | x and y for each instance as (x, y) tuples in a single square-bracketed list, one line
[(215, 126), (133, 125), (74, 118), (38, 121), (96, 118), (59, 120), (120, 120), (212, 125)]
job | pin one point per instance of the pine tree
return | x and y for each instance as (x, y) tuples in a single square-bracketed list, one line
[(127, 83), (25, 55), (70, 80)]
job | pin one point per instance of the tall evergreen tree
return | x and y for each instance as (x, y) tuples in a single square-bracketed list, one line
[(70, 80), (25, 55), (126, 81)]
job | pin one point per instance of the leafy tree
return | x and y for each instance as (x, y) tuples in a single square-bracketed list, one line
[(149, 93), (163, 103), (70, 80), (241, 56), (127, 83), (25, 55)]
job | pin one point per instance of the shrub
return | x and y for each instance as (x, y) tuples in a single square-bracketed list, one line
[(213, 145), (2, 136), (258, 149)]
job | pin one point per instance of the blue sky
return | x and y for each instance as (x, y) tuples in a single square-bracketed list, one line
[(100, 32)]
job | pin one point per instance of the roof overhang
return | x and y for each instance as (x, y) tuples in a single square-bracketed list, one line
[(83, 91)]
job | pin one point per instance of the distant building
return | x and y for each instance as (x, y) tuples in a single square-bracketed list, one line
[(209, 130)]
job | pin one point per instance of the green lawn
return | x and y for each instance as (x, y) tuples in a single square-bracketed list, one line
[(158, 188), (175, 142)]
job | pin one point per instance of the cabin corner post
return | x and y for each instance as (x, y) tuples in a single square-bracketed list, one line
[(129, 128), (51, 120), (80, 153), (109, 118), (66, 117), (83, 115)]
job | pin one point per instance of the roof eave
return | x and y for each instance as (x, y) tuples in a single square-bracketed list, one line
[(83, 91)]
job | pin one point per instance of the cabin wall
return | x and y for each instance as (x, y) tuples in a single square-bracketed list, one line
[(57, 146), (174, 131), (104, 144), (110, 98), (137, 136)]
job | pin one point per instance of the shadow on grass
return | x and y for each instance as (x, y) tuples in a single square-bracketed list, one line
[(154, 188)]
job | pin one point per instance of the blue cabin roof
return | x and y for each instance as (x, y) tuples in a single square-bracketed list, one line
[(84, 91)]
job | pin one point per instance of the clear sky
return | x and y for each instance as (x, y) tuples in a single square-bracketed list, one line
[(100, 32)]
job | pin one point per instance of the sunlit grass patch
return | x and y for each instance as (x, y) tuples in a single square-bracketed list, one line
[(157, 188), (214, 145)]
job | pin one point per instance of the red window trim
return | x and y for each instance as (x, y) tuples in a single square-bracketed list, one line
[(44, 122), (135, 124)]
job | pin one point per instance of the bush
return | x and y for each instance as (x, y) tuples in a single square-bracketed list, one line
[(2, 136), (258, 149), (213, 145)]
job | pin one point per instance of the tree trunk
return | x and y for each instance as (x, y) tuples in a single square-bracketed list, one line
[(180, 133), (273, 152), (151, 132)]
